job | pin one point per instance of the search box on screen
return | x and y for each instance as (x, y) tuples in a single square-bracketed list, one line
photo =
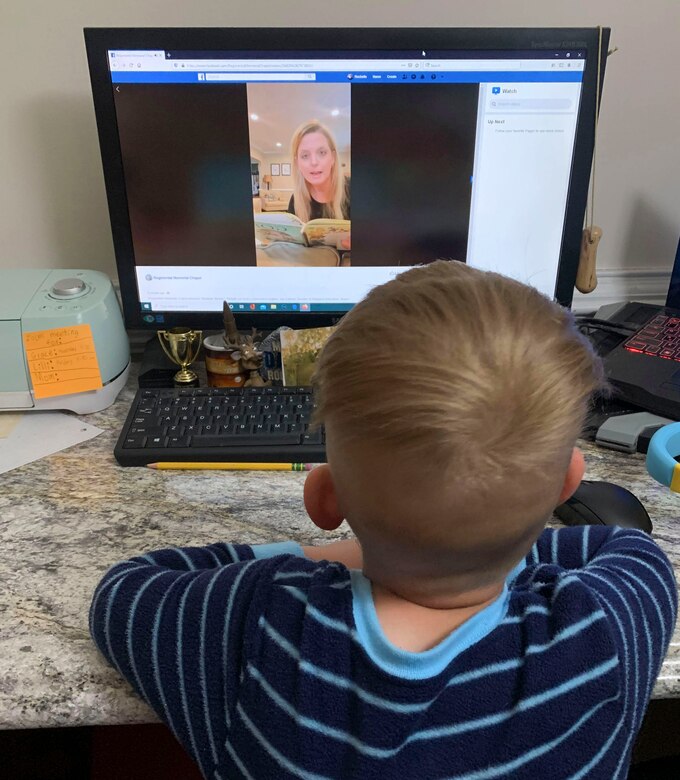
[(259, 76), (530, 104)]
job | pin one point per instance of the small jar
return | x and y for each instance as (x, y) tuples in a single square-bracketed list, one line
[(222, 363)]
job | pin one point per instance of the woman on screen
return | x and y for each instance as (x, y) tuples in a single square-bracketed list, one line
[(320, 188)]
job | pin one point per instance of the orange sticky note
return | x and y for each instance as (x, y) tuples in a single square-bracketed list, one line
[(62, 361)]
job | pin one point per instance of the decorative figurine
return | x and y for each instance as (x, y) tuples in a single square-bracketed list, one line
[(250, 357)]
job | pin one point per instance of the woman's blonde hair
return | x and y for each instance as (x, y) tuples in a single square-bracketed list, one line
[(468, 369), (303, 201)]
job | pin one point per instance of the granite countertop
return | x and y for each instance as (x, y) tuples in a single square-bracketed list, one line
[(68, 517)]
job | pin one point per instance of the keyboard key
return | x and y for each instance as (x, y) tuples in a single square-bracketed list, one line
[(156, 441), (178, 441), (153, 430), (249, 440), (135, 441)]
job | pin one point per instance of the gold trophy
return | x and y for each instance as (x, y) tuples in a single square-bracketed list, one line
[(182, 346)]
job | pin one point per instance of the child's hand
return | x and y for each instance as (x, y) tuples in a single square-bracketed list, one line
[(346, 243), (347, 551)]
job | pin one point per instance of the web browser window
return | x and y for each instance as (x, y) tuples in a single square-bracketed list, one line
[(299, 181)]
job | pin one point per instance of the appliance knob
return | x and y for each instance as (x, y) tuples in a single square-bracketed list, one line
[(68, 288)]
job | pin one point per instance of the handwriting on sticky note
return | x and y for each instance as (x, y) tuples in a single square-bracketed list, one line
[(62, 361)]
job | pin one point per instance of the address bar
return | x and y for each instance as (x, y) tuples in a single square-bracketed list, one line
[(258, 76), (252, 66)]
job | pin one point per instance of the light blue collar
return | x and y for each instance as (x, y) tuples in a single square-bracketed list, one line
[(418, 666)]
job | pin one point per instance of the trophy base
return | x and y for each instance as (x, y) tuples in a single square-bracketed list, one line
[(185, 377), (157, 370)]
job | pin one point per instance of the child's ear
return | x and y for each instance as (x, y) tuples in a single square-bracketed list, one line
[(321, 501), (574, 475)]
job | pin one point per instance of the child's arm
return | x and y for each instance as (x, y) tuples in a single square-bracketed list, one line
[(618, 563), (346, 551), (174, 623), (632, 581), (585, 546)]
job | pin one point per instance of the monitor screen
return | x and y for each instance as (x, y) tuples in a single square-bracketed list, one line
[(290, 181)]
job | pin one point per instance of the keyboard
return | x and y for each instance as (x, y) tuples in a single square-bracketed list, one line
[(223, 424), (660, 336)]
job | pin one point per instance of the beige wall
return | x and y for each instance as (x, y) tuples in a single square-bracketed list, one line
[(52, 202)]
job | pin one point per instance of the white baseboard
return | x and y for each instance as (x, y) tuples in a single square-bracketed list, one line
[(645, 286)]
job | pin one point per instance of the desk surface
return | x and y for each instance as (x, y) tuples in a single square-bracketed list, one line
[(68, 517)]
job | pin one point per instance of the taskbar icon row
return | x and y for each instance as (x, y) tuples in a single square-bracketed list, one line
[(293, 307), (149, 315), (270, 306)]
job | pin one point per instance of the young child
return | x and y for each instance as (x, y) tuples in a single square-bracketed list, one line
[(456, 638)]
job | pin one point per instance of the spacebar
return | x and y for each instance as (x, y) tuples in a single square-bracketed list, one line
[(244, 440)]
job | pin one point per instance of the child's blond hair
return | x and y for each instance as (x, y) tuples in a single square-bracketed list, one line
[(463, 373)]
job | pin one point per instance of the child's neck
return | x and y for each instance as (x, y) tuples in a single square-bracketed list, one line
[(418, 625)]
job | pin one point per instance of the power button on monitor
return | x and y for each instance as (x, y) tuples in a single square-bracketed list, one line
[(69, 288)]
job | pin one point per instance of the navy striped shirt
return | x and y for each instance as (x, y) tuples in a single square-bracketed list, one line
[(268, 665)]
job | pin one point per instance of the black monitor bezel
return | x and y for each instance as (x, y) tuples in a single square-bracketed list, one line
[(99, 40)]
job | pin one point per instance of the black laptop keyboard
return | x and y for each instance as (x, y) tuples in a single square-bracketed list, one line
[(660, 337), (246, 425)]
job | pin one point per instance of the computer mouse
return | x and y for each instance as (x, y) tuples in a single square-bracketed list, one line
[(604, 503)]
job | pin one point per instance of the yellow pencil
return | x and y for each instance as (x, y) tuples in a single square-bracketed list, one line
[(233, 466)]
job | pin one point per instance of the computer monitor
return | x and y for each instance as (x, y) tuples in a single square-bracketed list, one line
[(673, 295), (218, 145)]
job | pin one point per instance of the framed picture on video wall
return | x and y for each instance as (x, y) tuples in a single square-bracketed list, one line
[(285, 169), (276, 171)]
